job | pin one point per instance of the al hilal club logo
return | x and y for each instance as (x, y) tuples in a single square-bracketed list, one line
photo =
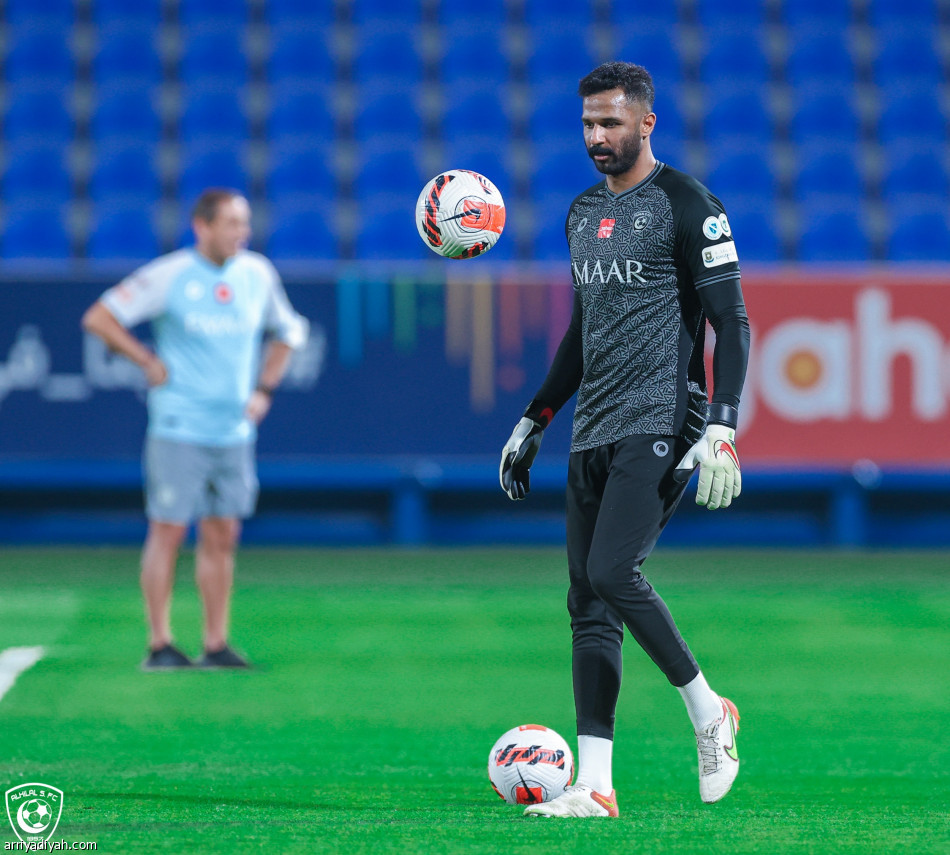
[(34, 811)]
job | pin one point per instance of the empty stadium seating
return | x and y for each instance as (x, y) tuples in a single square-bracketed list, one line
[(820, 118)]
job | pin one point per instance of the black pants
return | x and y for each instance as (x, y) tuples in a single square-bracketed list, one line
[(619, 498)]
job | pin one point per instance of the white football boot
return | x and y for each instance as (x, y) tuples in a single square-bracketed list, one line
[(718, 757), (578, 800)]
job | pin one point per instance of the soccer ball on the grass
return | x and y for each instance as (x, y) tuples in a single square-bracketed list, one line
[(530, 764), (460, 214)]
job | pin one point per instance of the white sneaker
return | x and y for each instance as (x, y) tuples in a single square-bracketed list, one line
[(579, 800), (718, 757)]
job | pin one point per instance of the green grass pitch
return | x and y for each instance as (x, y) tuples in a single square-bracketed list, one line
[(385, 676)]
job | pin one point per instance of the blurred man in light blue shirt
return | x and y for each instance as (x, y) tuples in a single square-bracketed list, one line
[(210, 307)]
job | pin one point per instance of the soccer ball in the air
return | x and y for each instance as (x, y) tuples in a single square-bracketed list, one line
[(460, 214), (530, 764)]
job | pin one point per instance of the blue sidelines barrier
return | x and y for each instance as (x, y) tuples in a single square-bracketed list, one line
[(417, 501)]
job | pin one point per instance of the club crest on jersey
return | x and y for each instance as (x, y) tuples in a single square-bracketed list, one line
[(641, 220), (606, 228), (223, 292)]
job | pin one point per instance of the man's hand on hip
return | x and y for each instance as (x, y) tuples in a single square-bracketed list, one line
[(720, 479)]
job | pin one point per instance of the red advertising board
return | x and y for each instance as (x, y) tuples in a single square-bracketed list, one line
[(846, 368)]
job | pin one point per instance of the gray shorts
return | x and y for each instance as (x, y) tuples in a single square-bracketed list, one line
[(185, 482)]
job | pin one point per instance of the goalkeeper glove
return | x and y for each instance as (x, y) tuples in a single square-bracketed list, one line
[(720, 480), (517, 456)]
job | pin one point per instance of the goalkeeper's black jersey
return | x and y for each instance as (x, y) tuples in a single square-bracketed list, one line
[(637, 259)]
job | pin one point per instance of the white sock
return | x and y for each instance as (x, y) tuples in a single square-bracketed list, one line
[(702, 703), (594, 760)]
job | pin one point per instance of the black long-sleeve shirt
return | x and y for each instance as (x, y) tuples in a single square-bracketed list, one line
[(650, 265)]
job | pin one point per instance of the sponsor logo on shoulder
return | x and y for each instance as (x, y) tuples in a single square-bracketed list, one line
[(724, 225), (721, 253), (712, 228)]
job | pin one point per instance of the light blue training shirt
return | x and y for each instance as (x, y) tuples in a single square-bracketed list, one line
[(208, 323)]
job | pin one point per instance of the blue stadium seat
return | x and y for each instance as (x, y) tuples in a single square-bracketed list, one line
[(473, 58), (38, 115), (213, 115), (562, 173), (819, 58), (214, 57), (387, 230), (747, 171), (35, 233), (389, 172), (375, 14), (825, 115), (549, 242), (38, 58), (113, 15), (656, 18), (388, 114), (37, 175), (301, 55), (301, 115), (387, 56), (825, 171), (743, 14), (559, 58), (204, 167), (127, 57), (300, 171), (49, 15), (126, 233), (737, 116), (821, 14), (476, 112), (908, 56), (214, 14), (890, 15), (127, 172), (733, 56), (559, 14), (654, 52), (127, 114), (301, 13), (555, 117), (754, 225), (910, 114), (485, 18), (834, 235), (485, 156), (920, 235), (303, 234), (910, 170)]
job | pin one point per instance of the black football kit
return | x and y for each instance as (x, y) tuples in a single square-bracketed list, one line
[(650, 266)]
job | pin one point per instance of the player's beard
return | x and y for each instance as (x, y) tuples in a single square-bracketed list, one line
[(620, 161)]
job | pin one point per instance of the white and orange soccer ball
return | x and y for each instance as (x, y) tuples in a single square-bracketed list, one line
[(460, 214), (530, 764)]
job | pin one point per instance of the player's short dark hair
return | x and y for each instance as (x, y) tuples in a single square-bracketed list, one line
[(635, 81), (206, 208)]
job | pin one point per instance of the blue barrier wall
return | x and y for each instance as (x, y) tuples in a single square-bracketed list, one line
[(387, 430)]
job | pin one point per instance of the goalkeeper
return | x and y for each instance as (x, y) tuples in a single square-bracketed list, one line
[(653, 259)]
